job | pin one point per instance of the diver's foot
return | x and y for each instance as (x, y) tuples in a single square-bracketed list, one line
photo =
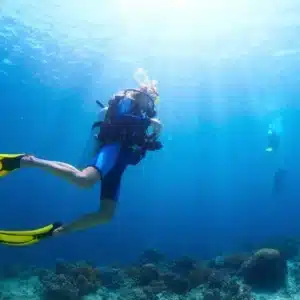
[(58, 231), (9, 163), (28, 160)]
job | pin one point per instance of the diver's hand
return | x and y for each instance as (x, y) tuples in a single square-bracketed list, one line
[(153, 145), (156, 127), (104, 110)]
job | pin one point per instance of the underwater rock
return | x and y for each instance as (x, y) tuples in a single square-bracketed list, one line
[(147, 273), (217, 262), (231, 287), (199, 276), (175, 283), (287, 246), (245, 293), (212, 295), (111, 278), (59, 287), (70, 281), (135, 294), (217, 279), (62, 267), (155, 287), (151, 256), (92, 274), (85, 286), (184, 265), (80, 268), (132, 272), (147, 276), (230, 262), (31, 271), (265, 270)]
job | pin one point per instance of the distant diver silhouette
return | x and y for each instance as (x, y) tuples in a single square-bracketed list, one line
[(279, 181)]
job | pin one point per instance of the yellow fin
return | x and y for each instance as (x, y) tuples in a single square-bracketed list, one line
[(9, 162), (26, 237)]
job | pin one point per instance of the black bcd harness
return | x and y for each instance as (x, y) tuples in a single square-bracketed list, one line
[(126, 129)]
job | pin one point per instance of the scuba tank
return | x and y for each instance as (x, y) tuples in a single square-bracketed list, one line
[(124, 120), (93, 144)]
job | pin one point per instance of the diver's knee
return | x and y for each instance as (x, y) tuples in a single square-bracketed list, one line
[(105, 220), (105, 216), (83, 180), (87, 177)]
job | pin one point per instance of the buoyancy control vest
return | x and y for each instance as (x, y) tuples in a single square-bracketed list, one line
[(125, 121)]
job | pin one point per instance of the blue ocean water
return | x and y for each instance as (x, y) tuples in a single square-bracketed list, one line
[(225, 72)]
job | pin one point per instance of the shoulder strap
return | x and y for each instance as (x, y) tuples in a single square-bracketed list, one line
[(113, 103)]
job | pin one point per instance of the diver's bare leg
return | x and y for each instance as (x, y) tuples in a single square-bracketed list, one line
[(85, 178), (106, 213)]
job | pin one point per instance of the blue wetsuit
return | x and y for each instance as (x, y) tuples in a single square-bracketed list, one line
[(113, 158), (111, 162)]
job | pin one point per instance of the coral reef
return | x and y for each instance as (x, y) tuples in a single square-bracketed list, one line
[(287, 246), (230, 262), (151, 256), (70, 281), (238, 276), (14, 289), (266, 269)]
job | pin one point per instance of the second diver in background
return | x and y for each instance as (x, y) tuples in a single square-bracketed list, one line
[(273, 145)]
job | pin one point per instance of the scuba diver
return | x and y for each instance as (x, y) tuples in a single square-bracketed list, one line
[(274, 140), (127, 132), (279, 181)]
